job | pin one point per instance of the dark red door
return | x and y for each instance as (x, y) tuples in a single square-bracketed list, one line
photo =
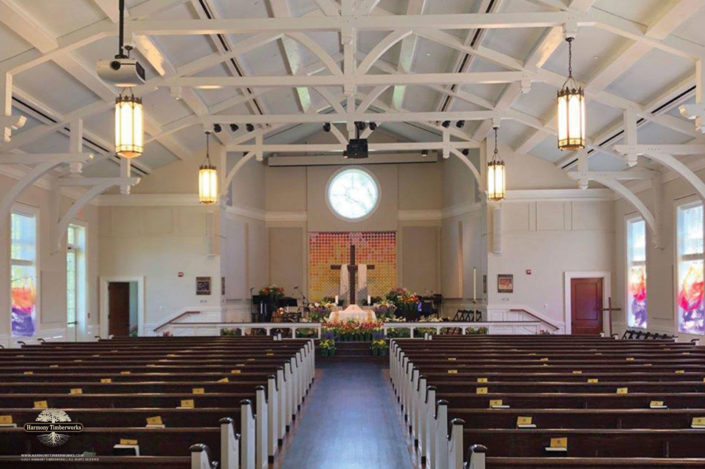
[(119, 308), (586, 305)]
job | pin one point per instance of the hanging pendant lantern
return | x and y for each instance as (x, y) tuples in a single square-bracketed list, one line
[(129, 135), (207, 178), (571, 110), (496, 175)]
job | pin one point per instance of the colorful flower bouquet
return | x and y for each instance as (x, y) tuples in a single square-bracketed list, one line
[(384, 309), (272, 291), (320, 311), (327, 347), (406, 302), (350, 331), (379, 347)]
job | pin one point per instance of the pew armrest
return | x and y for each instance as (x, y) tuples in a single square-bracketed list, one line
[(476, 455), (200, 457)]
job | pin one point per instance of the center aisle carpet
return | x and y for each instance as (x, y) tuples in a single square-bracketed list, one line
[(350, 422)]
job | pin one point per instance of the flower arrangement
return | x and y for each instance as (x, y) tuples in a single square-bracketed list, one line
[(400, 333), (320, 311), (384, 309), (379, 347), (352, 330), (406, 302), (327, 347), (272, 291)]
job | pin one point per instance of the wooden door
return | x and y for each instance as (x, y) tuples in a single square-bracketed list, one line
[(119, 308), (586, 305)]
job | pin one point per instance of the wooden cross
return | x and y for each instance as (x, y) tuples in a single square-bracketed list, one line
[(609, 309), (352, 273)]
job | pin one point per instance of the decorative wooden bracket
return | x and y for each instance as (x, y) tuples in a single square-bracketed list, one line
[(43, 164), (231, 174), (99, 185)]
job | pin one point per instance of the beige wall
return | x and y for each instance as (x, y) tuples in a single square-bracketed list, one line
[(157, 243)]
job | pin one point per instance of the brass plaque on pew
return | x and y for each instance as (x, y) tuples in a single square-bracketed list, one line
[(497, 404), (106, 380), (41, 405), (29, 372), (269, 354), (657, 405), (481, 390), (53, 366), (156, 420), (544, 359), (239, 364), (198, 391), (76, 391), (622, 390), (686, 353), (250, 359), (171, 355), (127, 372), (96, 355), (78, 360), (224, 380), (6, 420), (451, 359), (128, 442), (698, 422), (482, 380), (559, 444), (452, 372), (525, 422), (630, 359), (680, 372), (577, 372), (187, 404), (235, 372), (593, 380)]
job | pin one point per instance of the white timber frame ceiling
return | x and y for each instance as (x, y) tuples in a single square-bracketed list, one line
[(344, 83)]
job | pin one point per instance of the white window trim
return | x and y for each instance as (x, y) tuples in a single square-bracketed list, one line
[(677, 205), (81, 316)]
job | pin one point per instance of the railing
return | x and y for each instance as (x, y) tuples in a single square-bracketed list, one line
[(463, 326), (175, 320), (545, 321), (244, 327)]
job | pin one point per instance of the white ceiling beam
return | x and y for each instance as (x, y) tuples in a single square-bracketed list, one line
[(360, 23), (610, 69), (407, 53), (95, 181), (291, 54), (336, 147), (360, 80), (379, 117), (636, 174), (38, 158), (675, 149)]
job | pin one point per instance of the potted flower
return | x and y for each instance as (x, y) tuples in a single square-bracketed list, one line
[(379, 347), (384, 309), (406, 302), (327, 347), (320, 311)]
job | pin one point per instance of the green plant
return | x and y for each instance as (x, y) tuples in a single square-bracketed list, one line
[(379, 347), (476, 330), (228, 332), (327, 347)]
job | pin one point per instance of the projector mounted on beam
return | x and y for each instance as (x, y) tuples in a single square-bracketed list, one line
[(357, 148)]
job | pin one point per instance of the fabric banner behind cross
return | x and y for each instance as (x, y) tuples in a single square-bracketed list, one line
[(374, 248)]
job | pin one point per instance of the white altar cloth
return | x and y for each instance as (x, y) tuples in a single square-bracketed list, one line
[(353, 313)]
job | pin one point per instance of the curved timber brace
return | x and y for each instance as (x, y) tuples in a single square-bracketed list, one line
[(231, 174), (101, 185), (469, 164), (43, 164), (664, 155), (612, 183)]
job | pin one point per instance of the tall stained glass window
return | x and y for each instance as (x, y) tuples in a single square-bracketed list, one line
[(690, 307), (636, 268), (23, 274)]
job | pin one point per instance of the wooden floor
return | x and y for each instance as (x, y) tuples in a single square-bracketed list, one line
[(349, 421)]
